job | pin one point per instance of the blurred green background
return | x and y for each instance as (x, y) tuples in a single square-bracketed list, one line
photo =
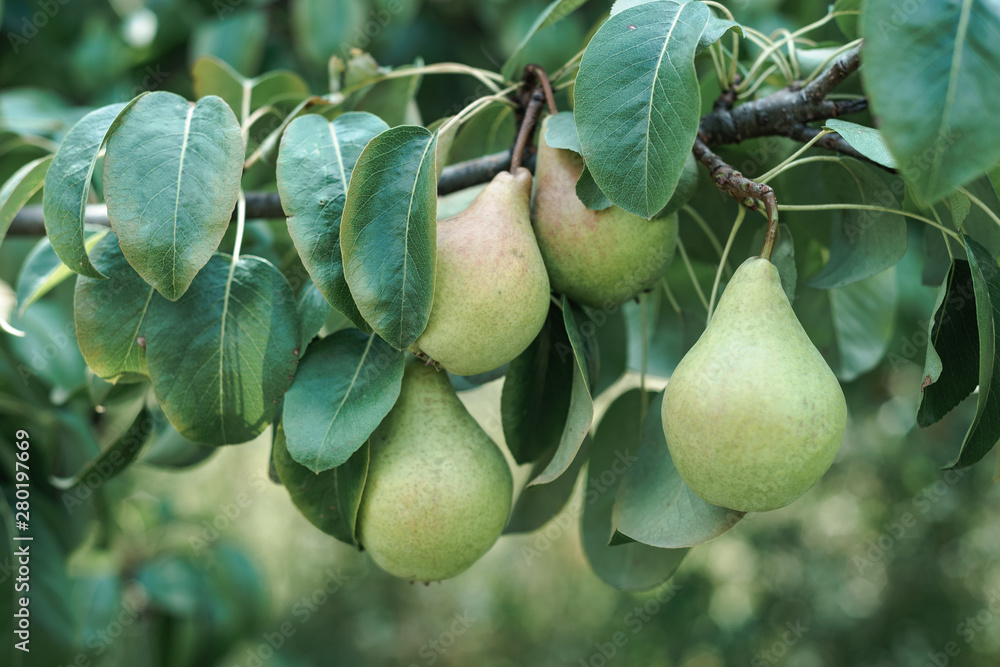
[(887, 562)]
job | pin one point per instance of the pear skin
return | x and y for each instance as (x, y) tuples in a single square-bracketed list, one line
[(438, 492), (752, 414), (597, 258), (491, 294)]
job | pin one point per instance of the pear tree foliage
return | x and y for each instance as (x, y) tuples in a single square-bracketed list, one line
[(410, 259)]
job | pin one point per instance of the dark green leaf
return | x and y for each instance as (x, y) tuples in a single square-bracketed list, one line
[(537, 505), (171, 179), (932, 74), (654, 505), (313, 311), (238, 39), (19, 188), (67, 187), (42, 270), (612, 341), (212, 76), (330, 499), (48, 350), (324, 27), (863, 242), (636, 140), (951, 369), (581, 406), (388, 233), (115, 353), (536, 393), (342, 391), (394, 100), (588, 192), (864, 314), (116, 458), (221, 357), (315, 162), (553, 13), (848, 23), (631, 566)]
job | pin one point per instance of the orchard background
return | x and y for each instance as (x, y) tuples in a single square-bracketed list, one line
[(194, 556)]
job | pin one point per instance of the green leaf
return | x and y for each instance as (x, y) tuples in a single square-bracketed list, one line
[(171, 178), (388, 233), (951, 368), (863, 243), (635, 141), (864, 314), (611, 338), (631, 566), (315, 162), (960, 206), (984, 432), (556, 11), (560, 132), (115, 353), (212, 76), (932, 74), (68, 187), (313, 311), (588, 192), (535, 401), (714, 29), (866, 140), (48, 350), (19, 188), (323, 27), (394, 100), (537, 505), (342, 391), (580, 415), (329, 500), (116, 458), (654, 505), (848, 24), (221, 357), (169, 449), (42, 271)]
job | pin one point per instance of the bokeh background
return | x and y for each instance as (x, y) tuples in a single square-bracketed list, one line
[(198, 558)]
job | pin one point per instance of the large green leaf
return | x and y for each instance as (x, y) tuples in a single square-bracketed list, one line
[(171, 179), (984, 432), (330, 500), (221, 357), (632, 566), (111, 317), (637, 102), (556, 11), (932, 73), (314, 167), (535, 400), (714, 29), (580, 414), (342, 391), (42, 270), (951, 368), (19, 188), (863, 242), (654, 505), (388, 233), (67, 187)]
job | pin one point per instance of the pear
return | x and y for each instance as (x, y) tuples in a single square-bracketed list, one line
[(491, 294), (438, 492), (597, 258), (753, 415)]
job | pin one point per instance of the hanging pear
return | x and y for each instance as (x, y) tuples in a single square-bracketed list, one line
[(597, 258), (753, 415), (438, 492), (491, 294)]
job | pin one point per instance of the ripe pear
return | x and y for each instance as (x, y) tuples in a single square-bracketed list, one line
[(491, 294), (438, 492), (597, 258), (753, 415)]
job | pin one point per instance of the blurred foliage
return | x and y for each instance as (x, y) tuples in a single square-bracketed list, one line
[(888, 562)]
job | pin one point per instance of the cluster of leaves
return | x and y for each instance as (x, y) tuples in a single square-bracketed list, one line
[(224, 338)]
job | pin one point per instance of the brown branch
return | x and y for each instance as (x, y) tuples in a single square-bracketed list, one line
[(832, 77), (527, 129)]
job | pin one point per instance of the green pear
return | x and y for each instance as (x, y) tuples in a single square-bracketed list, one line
[(491, 294), (597, 258), (752, 414), (438, 492)]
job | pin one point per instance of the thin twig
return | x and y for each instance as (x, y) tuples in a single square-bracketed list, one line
[(531, 113)]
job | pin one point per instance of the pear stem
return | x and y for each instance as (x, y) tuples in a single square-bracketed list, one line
[(531, 113)]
